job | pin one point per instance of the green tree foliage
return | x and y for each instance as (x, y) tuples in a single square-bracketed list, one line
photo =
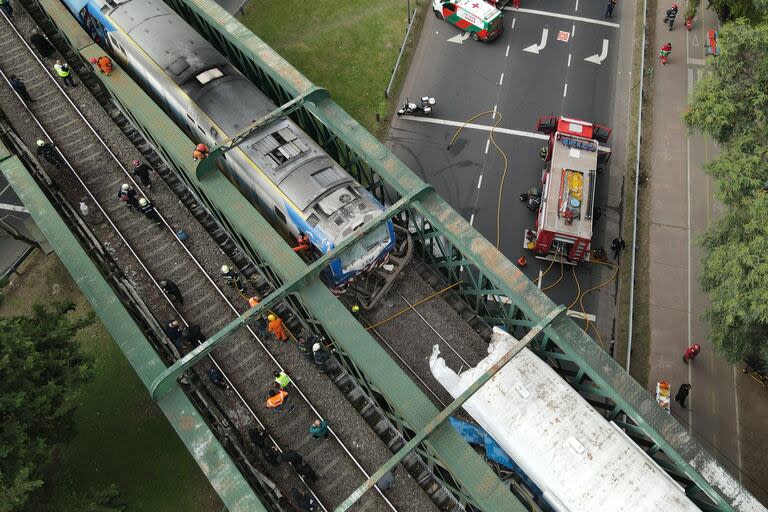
[(40, 369), (733, 9), (731, 105)]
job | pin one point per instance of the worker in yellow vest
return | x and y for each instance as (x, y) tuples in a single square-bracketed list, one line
[(282, 379), (62, 69)]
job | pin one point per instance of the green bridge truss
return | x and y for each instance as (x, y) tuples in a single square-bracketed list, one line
[(492, 289)]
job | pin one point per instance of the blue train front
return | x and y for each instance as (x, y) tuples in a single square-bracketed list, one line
[(280, 168)]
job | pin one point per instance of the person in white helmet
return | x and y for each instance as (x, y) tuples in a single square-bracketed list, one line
[(141, 171), (50, 153), (232, 278), (148, 209), (320, 356), (128, 195)]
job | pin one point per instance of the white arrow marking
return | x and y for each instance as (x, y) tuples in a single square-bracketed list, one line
[(459, 38), (695, 41), (536, 48), (597, 59)]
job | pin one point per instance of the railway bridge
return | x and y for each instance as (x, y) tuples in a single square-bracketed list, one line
[(377, 381)]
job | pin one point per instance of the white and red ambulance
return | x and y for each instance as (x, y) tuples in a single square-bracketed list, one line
[(481, 20)]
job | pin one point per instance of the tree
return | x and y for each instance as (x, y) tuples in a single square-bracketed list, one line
[(733, 9), (731, 105), (40, 370)]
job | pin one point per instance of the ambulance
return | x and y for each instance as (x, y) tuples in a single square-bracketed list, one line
[(481, 20)]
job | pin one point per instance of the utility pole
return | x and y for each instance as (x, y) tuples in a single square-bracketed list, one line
[(408, 7)]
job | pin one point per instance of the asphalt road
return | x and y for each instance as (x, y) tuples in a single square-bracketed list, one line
[(468, 77)]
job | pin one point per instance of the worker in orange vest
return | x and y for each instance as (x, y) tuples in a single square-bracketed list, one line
[(275, 326), (276, 398), (254, 301), (104, 64), (302, 243), (201, 151)]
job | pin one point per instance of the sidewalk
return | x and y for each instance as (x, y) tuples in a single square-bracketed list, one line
[(727, 412)]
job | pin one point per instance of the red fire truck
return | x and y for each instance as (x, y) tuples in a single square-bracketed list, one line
[(573, 154)]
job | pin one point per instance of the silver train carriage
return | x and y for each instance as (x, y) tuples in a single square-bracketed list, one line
[(280, 168)]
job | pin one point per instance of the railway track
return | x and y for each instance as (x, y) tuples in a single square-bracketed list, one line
[(95, 169)]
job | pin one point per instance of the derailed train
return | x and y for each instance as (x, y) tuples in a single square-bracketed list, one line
[(279, 168)]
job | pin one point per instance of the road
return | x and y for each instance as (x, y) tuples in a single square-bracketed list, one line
[(501, 77), (727, 412)]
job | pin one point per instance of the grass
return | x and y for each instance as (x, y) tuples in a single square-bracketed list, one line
[(641, 316), (122, 436), (349, 47)]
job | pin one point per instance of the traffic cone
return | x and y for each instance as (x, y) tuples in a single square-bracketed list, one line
[(522, 262)]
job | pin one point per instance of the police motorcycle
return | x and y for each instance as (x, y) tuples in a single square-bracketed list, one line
[(423, 107)]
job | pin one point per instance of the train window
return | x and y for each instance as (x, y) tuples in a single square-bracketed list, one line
[(206, 76), (280, 146), (313, 220), (280, 215)]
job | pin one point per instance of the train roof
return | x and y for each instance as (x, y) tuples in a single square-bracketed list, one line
[(572, 453)]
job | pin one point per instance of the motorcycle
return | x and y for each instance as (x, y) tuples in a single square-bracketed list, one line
[(423, 107)]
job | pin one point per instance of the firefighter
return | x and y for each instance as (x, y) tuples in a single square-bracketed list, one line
[(173, 331), (141, 171), (217, 378), (49, 152), (63, 71), (320, 356), (148, 209), (20, 88), (305, 347), (194, 336), (691, 352), (283, 379), (682, 394), (170, 289), (304, 470), (201, 151), (128, 194), (671, 15), (302, 242), (41, 44), (276, 327), (232, 278)]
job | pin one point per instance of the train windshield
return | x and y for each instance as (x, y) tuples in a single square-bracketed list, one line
[(365, 251)]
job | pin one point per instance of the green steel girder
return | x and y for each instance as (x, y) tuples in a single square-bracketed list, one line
[(207, 166), (191, 428), (165, 381), (454, 406), (284, 83)]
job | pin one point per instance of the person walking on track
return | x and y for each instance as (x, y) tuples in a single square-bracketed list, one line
[(232, 278), (617, 245), (276, 327), (148, 209), (682, 394), (128, 194), (141, 171), (41, 44), (64, 73), (691, 352), (7, 8), (170, 289), (609, 8), (20, 88), (48, 151), (319, 429), (283, 379)]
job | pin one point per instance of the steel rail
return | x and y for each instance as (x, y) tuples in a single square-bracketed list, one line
[(189, 254)]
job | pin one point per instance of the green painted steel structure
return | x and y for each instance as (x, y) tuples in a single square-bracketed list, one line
[(224, 475), (489, 284)]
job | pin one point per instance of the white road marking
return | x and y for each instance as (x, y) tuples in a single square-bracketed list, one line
[(536, 48), (541, 274), (577, 5), (598, 59), (507, 54), (472, 126), (738, 428), (487, 143), (494, 112), (565, 17), (459, 38), (690, 81), (696, 62), (688, 190), (573, 29), (569, 60), (513, 21), (501, 81), (471, 219), (480, 181), (565, 91)]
